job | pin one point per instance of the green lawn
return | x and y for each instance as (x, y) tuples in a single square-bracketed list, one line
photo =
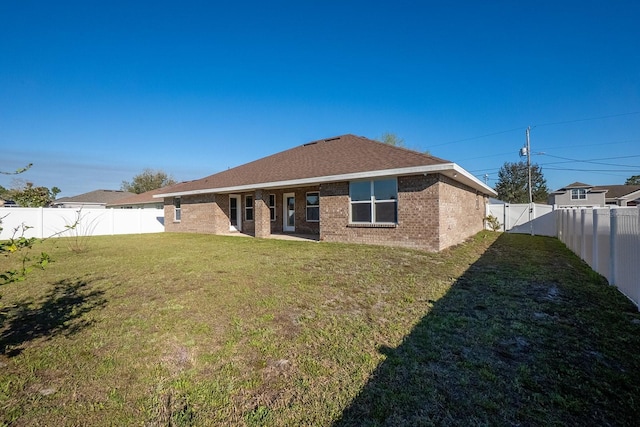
[(179, 329)]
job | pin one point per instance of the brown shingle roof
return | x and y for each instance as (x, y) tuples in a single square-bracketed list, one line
[(577, 185), (333, 156), (617, 191), (96, 196), (138, 199)]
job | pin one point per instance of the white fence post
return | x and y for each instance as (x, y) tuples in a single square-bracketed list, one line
[(507, 226), (574, 240), (583, 241), (40, 224), (595, 256), (559, 220), (613, 231)]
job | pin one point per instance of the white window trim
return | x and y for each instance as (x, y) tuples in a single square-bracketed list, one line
[(581, 194), (372, 201), (248, 208), (312, 206), (275, 212), (177, 211)]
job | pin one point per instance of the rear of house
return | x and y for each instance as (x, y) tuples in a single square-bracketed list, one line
[(342, 189)]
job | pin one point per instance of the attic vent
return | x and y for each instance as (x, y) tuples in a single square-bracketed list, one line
[(332, 139), (310, 143)]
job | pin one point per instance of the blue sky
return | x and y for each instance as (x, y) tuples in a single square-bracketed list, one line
[(93, 92)]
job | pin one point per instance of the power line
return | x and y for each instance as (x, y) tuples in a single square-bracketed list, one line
[(477, 137), (487, 156), (591, 145), (587, 119), (593, 170), (537, 125), (593, 161)]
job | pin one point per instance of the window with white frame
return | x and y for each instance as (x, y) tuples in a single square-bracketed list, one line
[(176, 209), (374, 202), (248, 208), (272, 206), (578, 194), (313, 207)]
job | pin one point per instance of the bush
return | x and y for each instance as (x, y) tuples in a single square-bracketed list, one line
[(492, 222)]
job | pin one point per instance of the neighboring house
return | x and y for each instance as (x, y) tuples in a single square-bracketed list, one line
[(577, 194), (94, 199), (139, 201), (583, 195), (342, 189), (621, 195)]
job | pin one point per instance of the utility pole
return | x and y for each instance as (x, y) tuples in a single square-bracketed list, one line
[(529, 164), (486, 178), (526, 150)]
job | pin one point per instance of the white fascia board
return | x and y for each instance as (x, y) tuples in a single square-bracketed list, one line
[(473, 181), (631, 196), (452, 168)]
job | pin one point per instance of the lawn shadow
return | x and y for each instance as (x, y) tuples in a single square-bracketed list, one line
[(509, 344), (60, 311)]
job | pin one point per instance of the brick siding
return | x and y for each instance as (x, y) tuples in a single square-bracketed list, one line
[(462, 212), (417, 216), (197, 214), (262, 215), (434, 212), (208, 213)]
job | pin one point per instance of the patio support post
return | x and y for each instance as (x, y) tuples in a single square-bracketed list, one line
[(262, 215)]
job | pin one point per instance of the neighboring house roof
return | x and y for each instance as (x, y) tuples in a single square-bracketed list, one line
[(618, 191), (578, 185), (341, 158), (94, 197), (620, 194), (138, 199)]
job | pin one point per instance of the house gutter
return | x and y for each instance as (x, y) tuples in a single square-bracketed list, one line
[(450, 170)]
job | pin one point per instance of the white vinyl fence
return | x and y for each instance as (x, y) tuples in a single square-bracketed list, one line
[(46, 222), (608, 239), (524, 218)]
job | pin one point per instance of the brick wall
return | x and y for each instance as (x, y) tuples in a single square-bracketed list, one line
[(262, 216), (208, 213), (220, 209), (417, 216), (434, 212), (462, 212), (197, 214)]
